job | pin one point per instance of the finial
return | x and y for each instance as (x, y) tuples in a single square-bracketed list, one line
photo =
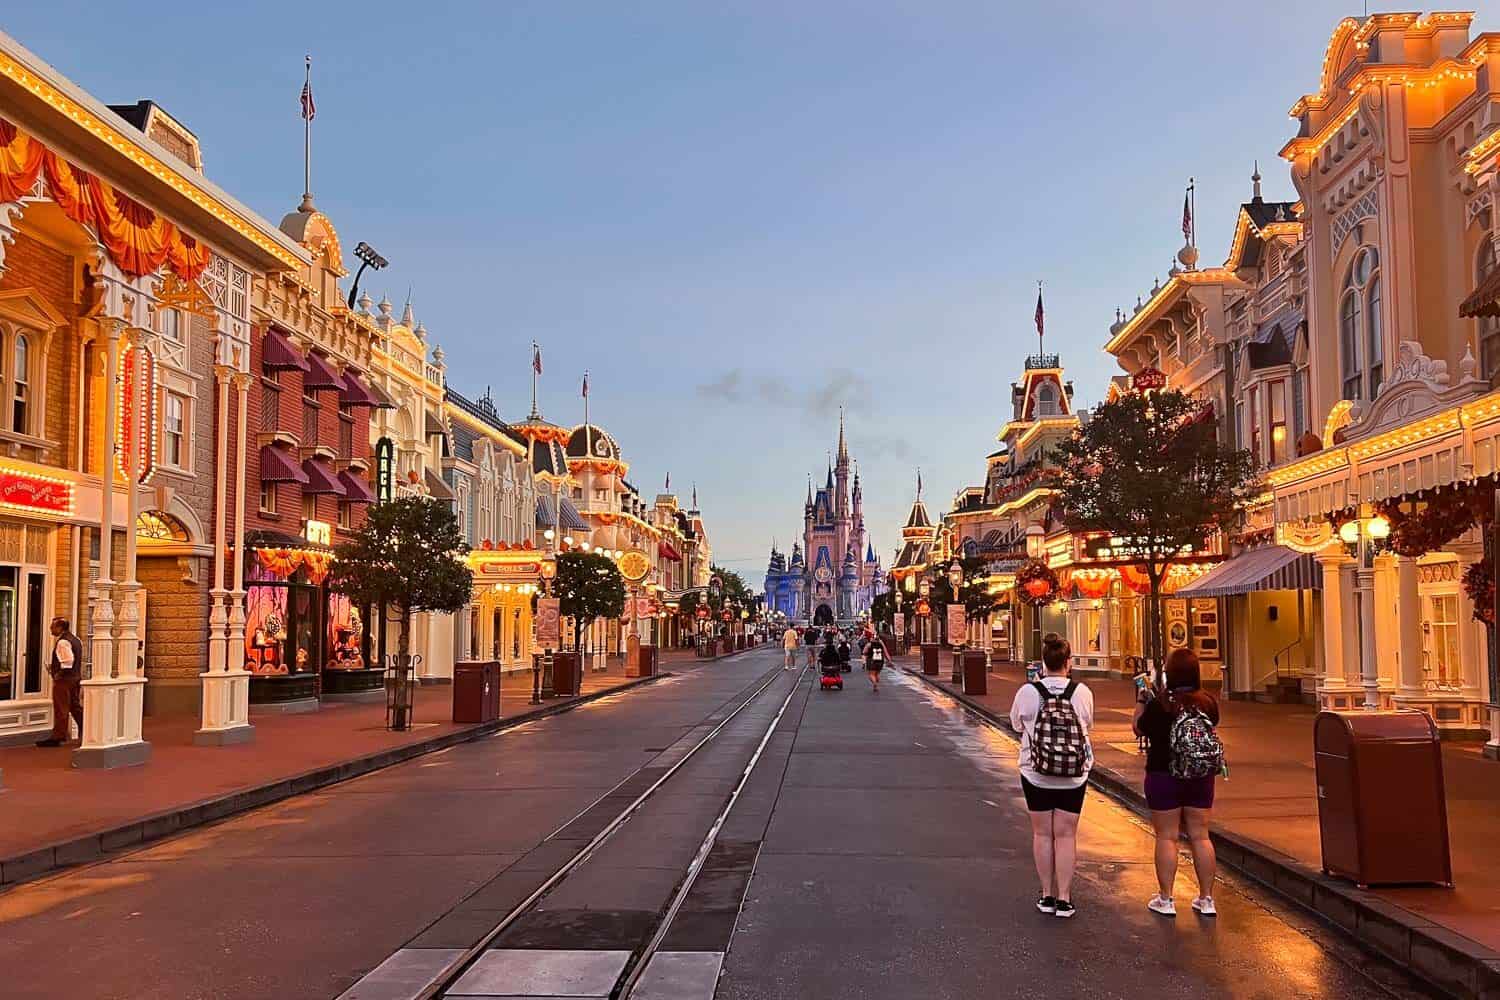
[(365, 302), (1255, 183), (407, 319)]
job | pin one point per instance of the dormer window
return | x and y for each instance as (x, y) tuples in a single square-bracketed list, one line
[(1489, 326), (1046, 400)]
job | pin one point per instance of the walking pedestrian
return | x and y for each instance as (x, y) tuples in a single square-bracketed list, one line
[(789, 643), (812, 645), (66, 670), (1054, 715), (1183, 757), (875, 657)]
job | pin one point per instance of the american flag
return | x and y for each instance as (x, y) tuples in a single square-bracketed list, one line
[(309, 109), (536, 359), (585, 385), (1041, 314), (1187, 214)]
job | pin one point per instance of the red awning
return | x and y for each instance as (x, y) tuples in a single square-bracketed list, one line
[(1484, 300), (321, 374), (381, 399), (354, 392), (320, 478), (356, 488), (277, 465), (278, 354), (665, 548)]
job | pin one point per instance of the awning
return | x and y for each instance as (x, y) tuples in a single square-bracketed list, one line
[(571, 519), (356, 488), (436, 487), (666, 549), (277, 465), (278, 354), (1274, 567), (321, 374), (320, 478), (382, 400), (354, 392), (434, 424), (1484, 300), (544, 512)]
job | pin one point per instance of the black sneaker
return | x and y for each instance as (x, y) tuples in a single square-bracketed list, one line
[(1063, 909), (1047, 905)]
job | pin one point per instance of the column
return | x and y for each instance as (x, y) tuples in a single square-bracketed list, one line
[(1338, 611), (1408, 631), (1386, 624), (1369, 670), (112, 698), (1473, 652), (127, 632), (236, 658), (226, 693)]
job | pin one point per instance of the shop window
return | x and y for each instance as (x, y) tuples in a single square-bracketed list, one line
[(1442, 667), (1489, 326), (268, 498), (21, 387), (1276, 398), (174, 430)]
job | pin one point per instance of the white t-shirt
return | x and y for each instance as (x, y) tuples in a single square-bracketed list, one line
[(64, 650), (1023, 718)]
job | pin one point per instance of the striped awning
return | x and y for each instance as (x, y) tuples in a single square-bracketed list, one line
[(571, 519), (1273, 567)]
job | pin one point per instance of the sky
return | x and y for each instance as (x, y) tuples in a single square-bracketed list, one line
[(739, 216)]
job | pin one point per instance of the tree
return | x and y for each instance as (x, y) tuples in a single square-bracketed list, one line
[(1148, 471), (408, 555), (588, 586), (735, 590)]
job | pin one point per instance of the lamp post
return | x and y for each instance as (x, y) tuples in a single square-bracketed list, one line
[(367, 258), (1365, 537), (924, 591), (548, 570), (1036, 537), (956, 582)]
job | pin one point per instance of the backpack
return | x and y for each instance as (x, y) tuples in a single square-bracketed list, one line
[(1059, 746), (1197, 751)]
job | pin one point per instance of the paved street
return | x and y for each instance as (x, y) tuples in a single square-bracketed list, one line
[(885, 834)]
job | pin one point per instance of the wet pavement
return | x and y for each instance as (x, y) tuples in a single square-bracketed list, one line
[(879, 848)]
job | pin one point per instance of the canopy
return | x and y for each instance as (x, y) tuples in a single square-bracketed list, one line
[(321, 374), (278, 465), (354, 392), (278, 354), (320, 478), (356, 488), (1273, 567)]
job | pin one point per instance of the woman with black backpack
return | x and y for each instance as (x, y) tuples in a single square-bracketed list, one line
[(1183, 757), (1054, 714)]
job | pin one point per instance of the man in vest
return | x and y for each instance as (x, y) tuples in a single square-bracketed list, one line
[(66, 668)]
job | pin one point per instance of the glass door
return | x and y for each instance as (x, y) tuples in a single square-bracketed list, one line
[(36, 607), (10, 688)]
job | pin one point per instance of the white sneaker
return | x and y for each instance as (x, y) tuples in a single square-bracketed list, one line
[(1205, 906), (1164, 906)]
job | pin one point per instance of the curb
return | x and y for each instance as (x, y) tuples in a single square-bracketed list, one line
[(93, 846), (1456, 965)]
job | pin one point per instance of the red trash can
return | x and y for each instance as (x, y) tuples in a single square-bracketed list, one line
[(930, 659), (975, 677), (476, 691)]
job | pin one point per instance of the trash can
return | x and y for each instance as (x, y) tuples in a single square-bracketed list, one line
[(1382, 813), (476, 691), (957, 675), (565, 675), (930, 659), (975, 677)]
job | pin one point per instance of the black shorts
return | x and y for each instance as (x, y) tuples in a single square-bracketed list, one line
[(1069, 800)]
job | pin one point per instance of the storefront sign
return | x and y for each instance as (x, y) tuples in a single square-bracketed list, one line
[(958, 623), (317, 532), (900, 621), (22, 491), (1148, 378), (385, 470), (1312, 536), (548, 622)]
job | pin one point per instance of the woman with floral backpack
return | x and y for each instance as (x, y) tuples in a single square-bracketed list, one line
[(1054, 714), (1183, 757)]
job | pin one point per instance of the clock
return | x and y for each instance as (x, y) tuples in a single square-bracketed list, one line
[(823, 574)]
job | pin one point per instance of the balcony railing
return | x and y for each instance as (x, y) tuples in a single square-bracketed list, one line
[(1042, 361)]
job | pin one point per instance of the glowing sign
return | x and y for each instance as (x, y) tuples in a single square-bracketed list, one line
[(29, 493), (317, 532)]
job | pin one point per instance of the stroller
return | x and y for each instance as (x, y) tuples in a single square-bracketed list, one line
[(843, 654)]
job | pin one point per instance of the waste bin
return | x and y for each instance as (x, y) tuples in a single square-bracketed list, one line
[(930, 659), (957, 675), (476, 691), (975, 677), (1382, 813), (565, 675)]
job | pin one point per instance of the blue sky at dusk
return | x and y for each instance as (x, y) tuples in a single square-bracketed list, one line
[(737, 216)]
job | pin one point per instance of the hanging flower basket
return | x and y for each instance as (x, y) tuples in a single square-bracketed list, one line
[(1036, 583), (1479, 585)]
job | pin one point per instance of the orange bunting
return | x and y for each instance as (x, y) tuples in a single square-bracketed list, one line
[(285, 562), (138, 239)]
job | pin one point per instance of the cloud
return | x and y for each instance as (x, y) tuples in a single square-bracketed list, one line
[(810, 398)]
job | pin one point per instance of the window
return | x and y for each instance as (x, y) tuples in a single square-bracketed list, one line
[(1255, 421), (309, 507), (1299, 405), (1489, 326), (174, 431), (1442, 639), (346, 515), (1276, 400), (171, 325), (1046, 401), (1361, 342), (21, 387), (268, 498)]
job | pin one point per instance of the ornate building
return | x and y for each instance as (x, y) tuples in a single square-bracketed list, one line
[(839, 575)]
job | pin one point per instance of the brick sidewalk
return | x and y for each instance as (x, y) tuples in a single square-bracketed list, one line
[(46, 803), (1271, 797)]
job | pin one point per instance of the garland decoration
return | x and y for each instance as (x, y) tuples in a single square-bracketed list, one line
[(1036, 583), (1442, 517)]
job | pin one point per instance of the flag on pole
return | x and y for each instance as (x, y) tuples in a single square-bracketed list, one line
[(536, 358), (919, 484), (1187, 215), (1041, 314), (585, 385), (309, 109)]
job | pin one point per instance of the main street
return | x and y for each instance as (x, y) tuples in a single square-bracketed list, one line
[(878, 847)]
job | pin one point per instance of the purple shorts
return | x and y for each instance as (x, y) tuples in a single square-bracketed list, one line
[(1165, 793)]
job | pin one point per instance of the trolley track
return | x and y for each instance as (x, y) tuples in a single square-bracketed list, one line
[(627, 800)]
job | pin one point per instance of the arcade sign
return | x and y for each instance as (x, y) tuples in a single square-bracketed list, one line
[(317, 532)]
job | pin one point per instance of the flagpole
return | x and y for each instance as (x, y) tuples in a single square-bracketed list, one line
[(1193, 204), (307, 142), (535, 350), (1040, 326)]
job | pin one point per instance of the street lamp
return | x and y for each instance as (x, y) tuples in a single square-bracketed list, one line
[(368, 258), (1366, 536), (547, 569), (956, 581)]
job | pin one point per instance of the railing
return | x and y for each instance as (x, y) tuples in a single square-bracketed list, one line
[(1042, 361), (270, 409)]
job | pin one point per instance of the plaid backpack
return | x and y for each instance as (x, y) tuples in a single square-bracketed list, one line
[(1059, 746), (1197, 751)]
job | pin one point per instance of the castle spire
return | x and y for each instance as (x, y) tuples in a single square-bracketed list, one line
[(843, 449)]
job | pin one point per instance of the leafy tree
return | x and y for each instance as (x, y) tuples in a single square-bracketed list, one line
[(588, 586), (408, 555), (1148, 470), (735, 592)]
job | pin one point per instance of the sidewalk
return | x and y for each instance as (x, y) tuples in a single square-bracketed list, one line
[(1267, 816), (53, 815)]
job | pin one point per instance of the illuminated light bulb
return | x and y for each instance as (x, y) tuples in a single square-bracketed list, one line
[(1349, 532), (1378, 527)]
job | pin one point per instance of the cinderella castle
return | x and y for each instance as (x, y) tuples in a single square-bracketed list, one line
[(832, 581)]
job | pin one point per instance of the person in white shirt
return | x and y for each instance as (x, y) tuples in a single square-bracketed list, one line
[(1054, 769), (66, 670)]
